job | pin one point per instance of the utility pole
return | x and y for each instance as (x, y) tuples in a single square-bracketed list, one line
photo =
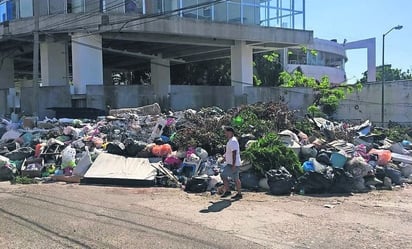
[(36, 55), (399, 27)]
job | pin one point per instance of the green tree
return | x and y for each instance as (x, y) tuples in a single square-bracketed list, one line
[(391, 74), (267, 69), (327, 98)]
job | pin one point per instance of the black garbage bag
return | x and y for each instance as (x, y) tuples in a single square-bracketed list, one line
[(7, 173), (158, 141), (280, 181), (394, 175), (249, 180), (197, 185), (20, 154), (314, 183), (323, 158), (3, 151), (133, 147), (244, 139), (342, 181), (10, 145), (116, 148)]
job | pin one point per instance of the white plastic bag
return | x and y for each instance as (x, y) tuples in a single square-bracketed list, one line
[(68, 157)]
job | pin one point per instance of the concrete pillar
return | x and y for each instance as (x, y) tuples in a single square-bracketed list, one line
[(242, 66), (6, 72), (54, 60), (283, 56), (107, 76), (160, 70), (372, 60), (87, 61)]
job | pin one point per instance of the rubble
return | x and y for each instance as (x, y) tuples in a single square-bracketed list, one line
[(325, 157)]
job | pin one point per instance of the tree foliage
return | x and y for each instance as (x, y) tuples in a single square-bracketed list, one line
[(391, 74), (267, 68), (328, 96)]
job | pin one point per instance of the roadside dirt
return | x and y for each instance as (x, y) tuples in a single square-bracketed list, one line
[(375, 220)]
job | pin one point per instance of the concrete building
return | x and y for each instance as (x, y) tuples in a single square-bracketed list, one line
[(328, 57), (83, 41)]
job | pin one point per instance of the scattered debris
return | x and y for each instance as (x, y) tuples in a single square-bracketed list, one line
[(142, 146)]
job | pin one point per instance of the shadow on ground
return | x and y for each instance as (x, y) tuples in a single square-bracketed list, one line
[(218, 206)]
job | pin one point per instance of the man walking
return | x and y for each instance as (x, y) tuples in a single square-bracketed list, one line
[(232, 158)]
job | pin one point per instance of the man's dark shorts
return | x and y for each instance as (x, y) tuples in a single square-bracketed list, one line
[(229, 172)]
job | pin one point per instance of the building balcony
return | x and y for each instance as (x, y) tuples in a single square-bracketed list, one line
[(267, 13)]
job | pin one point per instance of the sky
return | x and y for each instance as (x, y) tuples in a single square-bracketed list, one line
[(361, 19)]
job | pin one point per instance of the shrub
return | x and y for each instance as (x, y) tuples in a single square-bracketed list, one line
[(270, 153)]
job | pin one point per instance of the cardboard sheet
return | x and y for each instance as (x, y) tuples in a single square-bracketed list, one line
[(118, 170)]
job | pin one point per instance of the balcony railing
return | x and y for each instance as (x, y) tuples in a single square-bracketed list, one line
[(269, 13)]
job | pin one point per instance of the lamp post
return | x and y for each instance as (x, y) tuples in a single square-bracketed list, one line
[(399, 27)]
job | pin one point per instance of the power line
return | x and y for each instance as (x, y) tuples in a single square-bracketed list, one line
[(159, 16), (90, 14)]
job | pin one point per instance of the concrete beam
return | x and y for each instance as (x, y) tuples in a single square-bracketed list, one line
[(191, 52), (215, 30), (161, 38), (370, 45), (209, 56), (138, 55), (173, 29)]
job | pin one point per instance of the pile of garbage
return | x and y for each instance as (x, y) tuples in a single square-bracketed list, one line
[(279, 155)]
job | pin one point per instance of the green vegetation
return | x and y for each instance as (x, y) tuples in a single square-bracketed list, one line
[(328, 96), (396, 132), (267, 68), (390, 74), (270, 153), (23, 180)]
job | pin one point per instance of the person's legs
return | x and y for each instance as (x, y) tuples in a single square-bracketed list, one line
[(236, 178), (227, 171), (238, 186)]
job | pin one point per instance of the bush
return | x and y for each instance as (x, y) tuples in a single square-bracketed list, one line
[(270, 153)]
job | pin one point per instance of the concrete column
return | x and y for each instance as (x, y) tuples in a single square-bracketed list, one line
[(242, 66), (160, 70), (87, 61), (283, 56), (6, 72), (54, 62), (107, 76), (372, 60)]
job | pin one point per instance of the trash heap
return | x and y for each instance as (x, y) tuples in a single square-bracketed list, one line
[(183, 149)]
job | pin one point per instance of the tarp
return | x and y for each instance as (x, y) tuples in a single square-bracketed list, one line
[(118, 170)]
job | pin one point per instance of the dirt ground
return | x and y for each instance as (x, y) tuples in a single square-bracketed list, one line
[(380, 219)]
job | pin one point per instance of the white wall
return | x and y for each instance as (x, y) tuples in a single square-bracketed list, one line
[(336, 75), (367, 103)]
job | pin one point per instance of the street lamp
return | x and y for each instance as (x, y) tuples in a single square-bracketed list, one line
[(399, 27)]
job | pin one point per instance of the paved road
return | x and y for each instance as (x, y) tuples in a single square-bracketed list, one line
[(64, 216)]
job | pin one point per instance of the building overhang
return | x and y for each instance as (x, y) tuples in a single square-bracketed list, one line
[(174, 26), (182, 40)]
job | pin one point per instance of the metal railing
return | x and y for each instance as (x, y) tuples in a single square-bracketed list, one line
[(269, 13)]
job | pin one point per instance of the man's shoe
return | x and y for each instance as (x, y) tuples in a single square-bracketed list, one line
[(238, 196), (226, 194)]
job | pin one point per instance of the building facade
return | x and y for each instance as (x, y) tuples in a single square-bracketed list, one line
[(83, 41), (322, 57)]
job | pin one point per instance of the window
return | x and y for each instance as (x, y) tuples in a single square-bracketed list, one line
[(26, 8), (56, 7)]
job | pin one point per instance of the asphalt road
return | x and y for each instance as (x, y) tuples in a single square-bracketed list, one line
[(57, 216)]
